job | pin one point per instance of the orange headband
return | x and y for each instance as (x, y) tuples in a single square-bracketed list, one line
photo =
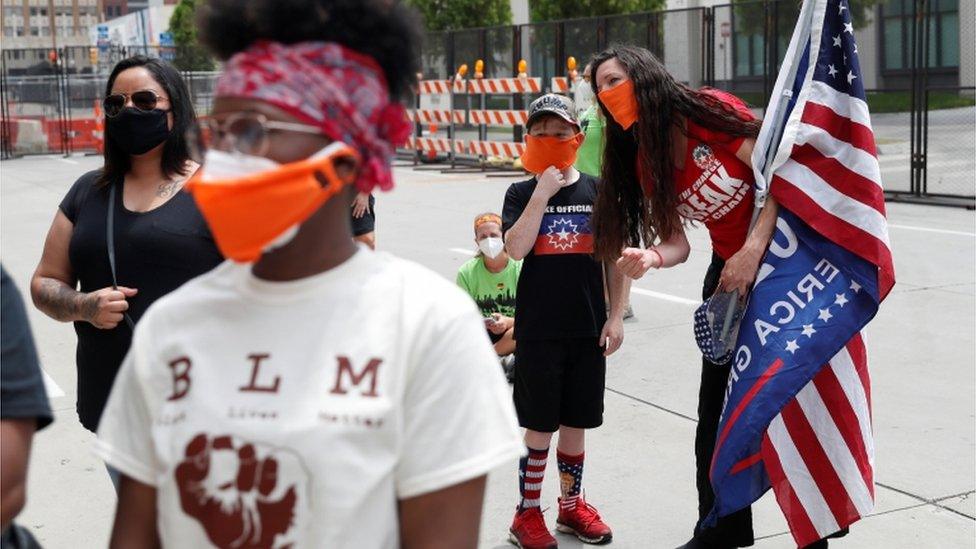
[(487, 218)]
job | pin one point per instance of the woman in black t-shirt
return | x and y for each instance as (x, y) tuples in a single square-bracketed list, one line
[(160, 238)]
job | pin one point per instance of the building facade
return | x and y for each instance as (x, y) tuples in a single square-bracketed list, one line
[(883, 41), (31, 29)]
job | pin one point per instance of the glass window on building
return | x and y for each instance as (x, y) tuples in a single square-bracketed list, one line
[(943, 34), (749, 37)]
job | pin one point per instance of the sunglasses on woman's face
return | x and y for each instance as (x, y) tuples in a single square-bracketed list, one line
[(144, 100), (243, 132)]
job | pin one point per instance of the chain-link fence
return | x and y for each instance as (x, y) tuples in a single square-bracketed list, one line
[(917, 57)]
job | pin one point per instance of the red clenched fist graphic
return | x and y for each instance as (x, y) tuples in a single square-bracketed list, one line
[(237, 491)]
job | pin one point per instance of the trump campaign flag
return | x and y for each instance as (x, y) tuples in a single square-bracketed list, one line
[(797, 414)]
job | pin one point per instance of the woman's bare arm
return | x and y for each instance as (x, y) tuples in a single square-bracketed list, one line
[(53, 284)]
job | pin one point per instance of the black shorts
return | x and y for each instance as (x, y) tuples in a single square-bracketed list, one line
[(367, 223), (559, 382)]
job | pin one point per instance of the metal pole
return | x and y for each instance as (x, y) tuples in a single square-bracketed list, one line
[(145, 41), (7, 148), (69, 141), (924, 104), (917, 68), (765, 96), (516, 101)]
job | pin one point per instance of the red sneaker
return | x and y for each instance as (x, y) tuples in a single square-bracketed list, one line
[(585, 523), (529, 530)]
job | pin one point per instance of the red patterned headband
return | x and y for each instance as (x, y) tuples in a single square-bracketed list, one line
[(334, 88)]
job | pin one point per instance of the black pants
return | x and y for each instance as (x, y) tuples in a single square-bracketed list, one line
[(734, 530)]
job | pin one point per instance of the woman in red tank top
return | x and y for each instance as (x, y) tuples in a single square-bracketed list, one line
[(675, 155)]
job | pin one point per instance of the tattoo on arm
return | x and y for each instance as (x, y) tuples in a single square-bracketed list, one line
[(166, 189), (63, 303)]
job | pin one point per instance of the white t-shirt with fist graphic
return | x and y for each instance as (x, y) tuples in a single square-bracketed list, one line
[(276, 414)]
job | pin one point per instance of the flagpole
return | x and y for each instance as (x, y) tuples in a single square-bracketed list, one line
[(803, 23), (787, 95)]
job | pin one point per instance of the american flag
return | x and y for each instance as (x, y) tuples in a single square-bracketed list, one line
[(797, 417)]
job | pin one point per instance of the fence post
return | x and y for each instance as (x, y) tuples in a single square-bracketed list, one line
[(69, 135), (918, 129), (517, 101), (708, 48), (5, 134)]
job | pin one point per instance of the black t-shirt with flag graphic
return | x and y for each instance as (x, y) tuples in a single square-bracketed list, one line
[(560, 289)]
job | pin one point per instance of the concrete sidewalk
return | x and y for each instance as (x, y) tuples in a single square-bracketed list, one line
[(639, 468)]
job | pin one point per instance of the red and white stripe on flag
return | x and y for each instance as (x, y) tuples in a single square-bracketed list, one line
[(832, 179), (819, 451)]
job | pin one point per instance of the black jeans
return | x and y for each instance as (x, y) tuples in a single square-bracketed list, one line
[(734, 530)]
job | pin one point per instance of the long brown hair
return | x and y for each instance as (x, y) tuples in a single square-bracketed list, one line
[(176, 152), (624, 215)]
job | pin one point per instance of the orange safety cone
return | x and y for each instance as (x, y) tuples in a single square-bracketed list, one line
[(99, 132), (432, 152)]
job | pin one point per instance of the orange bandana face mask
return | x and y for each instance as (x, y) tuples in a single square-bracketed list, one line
[(251, 203), (621, 101), (542, 152)]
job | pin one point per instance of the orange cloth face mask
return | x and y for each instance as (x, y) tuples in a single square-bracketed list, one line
[(542, 152), (621, 101), (248, 212)]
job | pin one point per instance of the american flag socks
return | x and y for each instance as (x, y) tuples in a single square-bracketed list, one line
[(531, 470), (570, 479)]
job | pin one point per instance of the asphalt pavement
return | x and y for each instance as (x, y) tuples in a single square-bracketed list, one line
[(639, 466)]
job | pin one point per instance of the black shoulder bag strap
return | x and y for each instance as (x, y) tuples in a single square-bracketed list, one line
[(110, 244)]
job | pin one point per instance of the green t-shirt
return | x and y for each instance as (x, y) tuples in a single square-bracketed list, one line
[(493, 292), (589, 157)]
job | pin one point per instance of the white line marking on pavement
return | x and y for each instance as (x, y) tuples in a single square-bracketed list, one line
[(633, 289), (66, 160), (52, 389), (928, 230), (665, 297)]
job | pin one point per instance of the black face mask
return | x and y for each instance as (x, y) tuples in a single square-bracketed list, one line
[(138, 132)]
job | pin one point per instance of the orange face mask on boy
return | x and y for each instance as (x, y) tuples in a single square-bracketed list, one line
[(542, 152), (248, 212), (621, 101)]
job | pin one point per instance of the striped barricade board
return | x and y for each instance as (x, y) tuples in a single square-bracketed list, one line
[(496, 148), (499, 117), (427, 116), (505, 85)]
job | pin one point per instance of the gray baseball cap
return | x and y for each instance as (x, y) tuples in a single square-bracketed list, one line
[(552, 103)]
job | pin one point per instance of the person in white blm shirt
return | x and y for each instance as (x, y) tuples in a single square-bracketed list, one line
[(308, 392)]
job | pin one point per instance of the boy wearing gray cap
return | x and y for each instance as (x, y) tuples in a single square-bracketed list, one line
[(563, 332)]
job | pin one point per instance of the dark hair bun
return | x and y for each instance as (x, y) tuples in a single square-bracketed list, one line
[(386, 30)]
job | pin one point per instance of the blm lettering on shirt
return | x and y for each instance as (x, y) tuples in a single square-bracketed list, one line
[(715, 192), (354, 380), (565, 230)]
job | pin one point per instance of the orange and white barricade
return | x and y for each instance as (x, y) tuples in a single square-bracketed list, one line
[(428, 87), (434, 116), (560, 84), (435, 144), (505, 85), (499, 117), (496, 148)]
